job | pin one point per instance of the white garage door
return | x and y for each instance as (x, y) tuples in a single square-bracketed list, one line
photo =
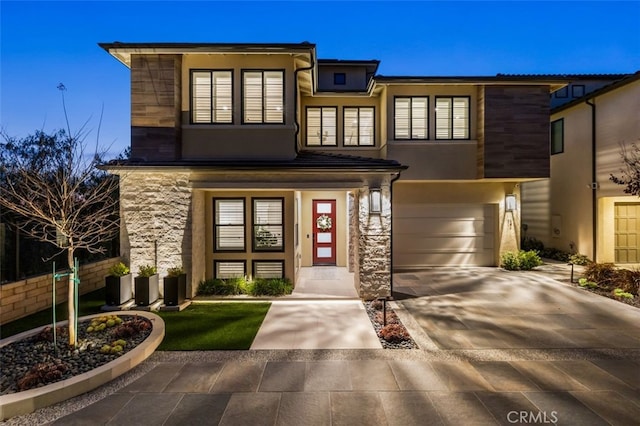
[(443, 234)]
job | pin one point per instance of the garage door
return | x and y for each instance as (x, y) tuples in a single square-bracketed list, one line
[(627, 216), (443, 234)]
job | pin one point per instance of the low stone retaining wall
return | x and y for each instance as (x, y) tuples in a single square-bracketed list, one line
[(21, 298)]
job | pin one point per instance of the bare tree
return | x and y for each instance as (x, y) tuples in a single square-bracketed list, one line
[(630, 172), (60, 196)]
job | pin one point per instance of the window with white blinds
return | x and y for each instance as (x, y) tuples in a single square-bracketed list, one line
[(229, 269), (411, 117), (321, 126), (268, 224), (452, 117), (358, 126), (263, 97), (211, 97), (268, 269), (229, 224)]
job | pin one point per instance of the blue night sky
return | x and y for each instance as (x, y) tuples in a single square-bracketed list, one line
[(47, 43)]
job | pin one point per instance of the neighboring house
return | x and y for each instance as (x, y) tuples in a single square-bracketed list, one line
[(579, 207), (260, 159)]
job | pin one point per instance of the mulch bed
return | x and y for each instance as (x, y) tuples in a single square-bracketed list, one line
[(392, 336), (635, 302)]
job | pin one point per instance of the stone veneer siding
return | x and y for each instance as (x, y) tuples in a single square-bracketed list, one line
[(155, 107), (156, 208), (21, 298), (515, 132), (374, 248)]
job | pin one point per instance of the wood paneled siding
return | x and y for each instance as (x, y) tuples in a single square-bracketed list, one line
[(515, 143), (155, 107)]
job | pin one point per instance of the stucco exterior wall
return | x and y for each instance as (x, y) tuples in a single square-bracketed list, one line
[(274, 141), (249, 255), (566, 199)]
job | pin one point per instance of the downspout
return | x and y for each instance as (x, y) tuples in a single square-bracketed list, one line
[(594, 185), (391, 232), (295, 102)]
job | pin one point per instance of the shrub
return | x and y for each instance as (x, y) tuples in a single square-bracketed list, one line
[(628, 281), (529, 260), (393, 333), (583, 282), (601, 273), (146, 271), (118, 270), (522, 260), (392, 318), (270, 287), (618, 292), (509, 261), (176, 271), (555, 254), (222, 287), (531, 243), (579, 259)]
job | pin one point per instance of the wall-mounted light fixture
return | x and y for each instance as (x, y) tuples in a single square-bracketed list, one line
[(510, 203), (375, 201)]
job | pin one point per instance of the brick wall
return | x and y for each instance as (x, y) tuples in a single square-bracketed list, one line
[(22, 298)]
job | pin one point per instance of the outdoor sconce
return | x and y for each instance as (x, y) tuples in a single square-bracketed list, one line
[(510, 203), (375, 201)]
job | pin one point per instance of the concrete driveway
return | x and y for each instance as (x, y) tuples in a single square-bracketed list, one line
[(489, 308)]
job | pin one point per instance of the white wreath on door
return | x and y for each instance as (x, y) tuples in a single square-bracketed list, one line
[(323, 222)]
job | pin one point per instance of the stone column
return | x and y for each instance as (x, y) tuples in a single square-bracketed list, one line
[(157, 220), (375, 245)]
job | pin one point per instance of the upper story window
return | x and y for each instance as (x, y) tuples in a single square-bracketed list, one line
[(321, 126), (557, 136), (411, 117), (339, 78), (263, 97), (268, 224), (229, 224), (452, 117), (211, 96), (359, 126)]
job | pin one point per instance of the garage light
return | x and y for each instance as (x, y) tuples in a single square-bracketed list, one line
[(510, 203), (375, 201)]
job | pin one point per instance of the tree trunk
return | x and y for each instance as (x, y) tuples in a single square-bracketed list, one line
[(71, 299)]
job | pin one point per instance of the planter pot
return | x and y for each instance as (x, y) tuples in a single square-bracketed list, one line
[(147, 290), (117, 289), (175, 290)]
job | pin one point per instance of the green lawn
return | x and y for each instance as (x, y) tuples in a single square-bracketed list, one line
[(90, 303), (202, 326), (213, 326)]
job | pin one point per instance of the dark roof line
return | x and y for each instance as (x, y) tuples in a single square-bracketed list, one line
[(567, 76), (454, 79), (629, 78), (305, 45), (349, 61), (304, 160)]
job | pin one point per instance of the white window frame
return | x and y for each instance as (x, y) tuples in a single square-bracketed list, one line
[(453, 120), (415, 123), (262, 98), (354, 128), (220, 226), (325, 134), (212, 101)]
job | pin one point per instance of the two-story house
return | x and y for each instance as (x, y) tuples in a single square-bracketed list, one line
[(579, 206), (261, 159)]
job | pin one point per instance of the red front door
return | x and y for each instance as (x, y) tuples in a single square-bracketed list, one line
[(324, 232)]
